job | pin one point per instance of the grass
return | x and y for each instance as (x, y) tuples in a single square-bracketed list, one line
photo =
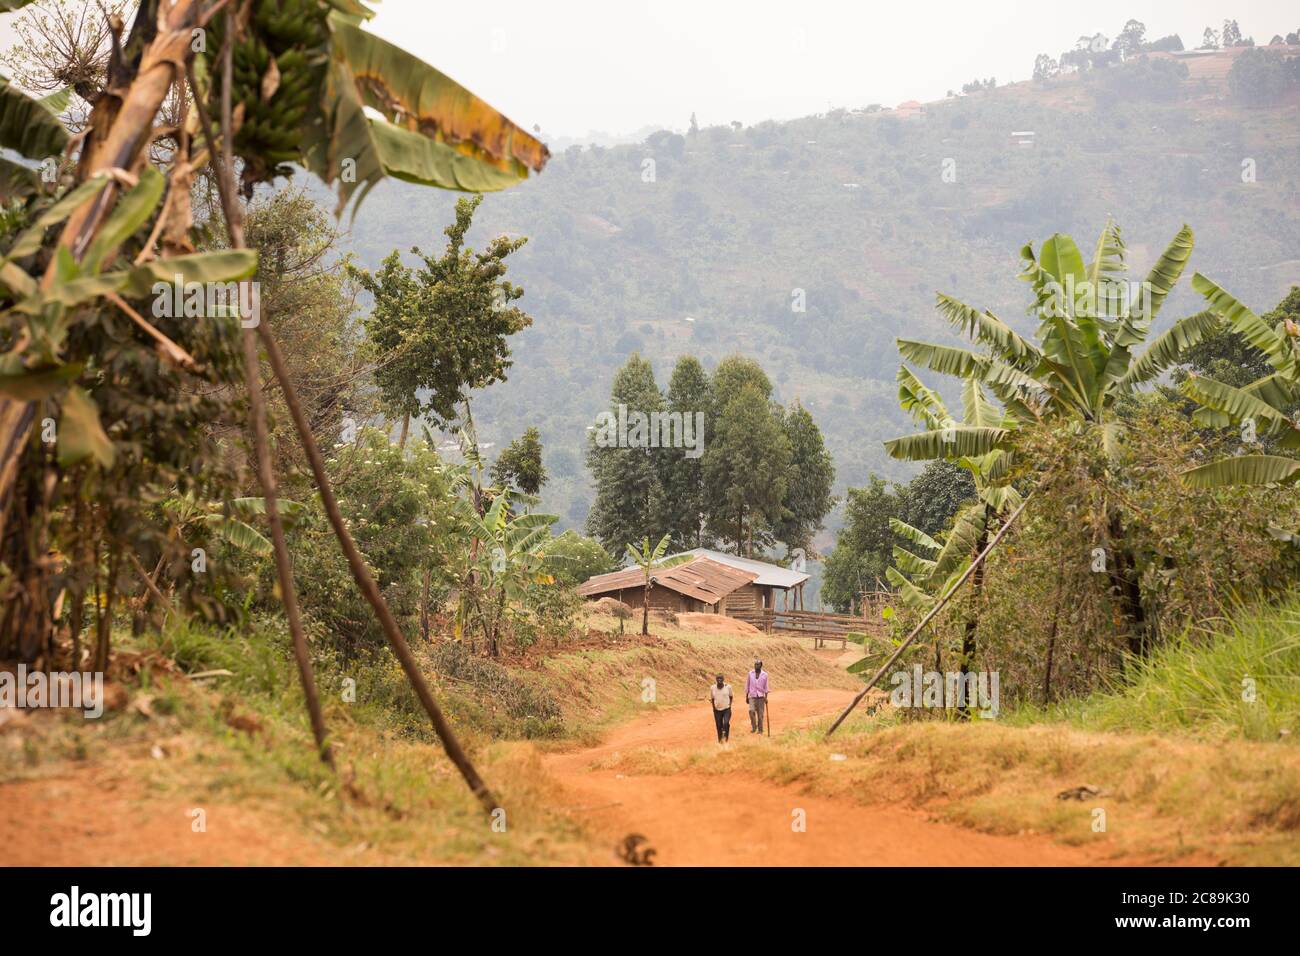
[(1236, 679), (242, 740), (1187, 770)]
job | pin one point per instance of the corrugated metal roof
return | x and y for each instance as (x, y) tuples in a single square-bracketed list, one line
[(700, 579), (769, 575)]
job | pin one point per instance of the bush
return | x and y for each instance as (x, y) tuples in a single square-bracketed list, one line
[(1196, 551), (398, 508), (1261, 77), (1156, 80), (573, 558), (557, 608), (534, 708)]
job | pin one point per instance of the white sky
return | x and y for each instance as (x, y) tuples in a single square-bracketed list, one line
[(574, 66)]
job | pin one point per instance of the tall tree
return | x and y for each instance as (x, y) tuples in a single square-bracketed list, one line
[(735, 372), (864, 546), (1129, 42), (684, 502), (808, 483), (442, 329), (929, 500), (625, 468), (746, 470), (313, 300), (520, 464)]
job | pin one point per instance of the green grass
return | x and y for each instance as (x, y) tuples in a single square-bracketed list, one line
[(1234, 678)]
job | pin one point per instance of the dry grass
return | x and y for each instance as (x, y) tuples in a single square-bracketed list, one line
[(242, 743)]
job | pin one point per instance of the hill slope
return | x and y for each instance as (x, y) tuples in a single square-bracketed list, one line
[(851, 208)]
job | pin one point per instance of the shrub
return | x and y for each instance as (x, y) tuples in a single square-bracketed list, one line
[(398, 507), (533, 707)]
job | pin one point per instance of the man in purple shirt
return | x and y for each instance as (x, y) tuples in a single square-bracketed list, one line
[(756, 697)]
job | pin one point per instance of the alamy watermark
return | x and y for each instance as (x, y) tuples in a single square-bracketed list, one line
[(60, 689), (946, 690), (133, 911), (1110, 299), (636, 429), (196, 300)]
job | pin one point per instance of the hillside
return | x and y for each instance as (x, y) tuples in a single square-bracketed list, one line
[(851, 208)]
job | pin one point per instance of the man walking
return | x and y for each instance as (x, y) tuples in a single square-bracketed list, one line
[(756, 697), (721, 695)]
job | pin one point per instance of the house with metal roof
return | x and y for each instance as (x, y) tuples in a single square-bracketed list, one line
[(700, 580), (697, 585)]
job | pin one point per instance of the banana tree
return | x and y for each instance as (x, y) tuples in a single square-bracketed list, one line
[(272, 83), (1087, 353), (230, 521), (922, 578), (1262, 403), (645, 558), (508, 560), (347, 105)]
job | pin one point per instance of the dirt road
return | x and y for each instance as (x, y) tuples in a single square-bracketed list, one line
[(696, 818)]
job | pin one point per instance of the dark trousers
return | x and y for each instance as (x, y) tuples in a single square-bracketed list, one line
[(722, 720)]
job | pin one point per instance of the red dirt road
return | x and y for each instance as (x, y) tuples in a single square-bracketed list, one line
[(103, 816), (695, 818)]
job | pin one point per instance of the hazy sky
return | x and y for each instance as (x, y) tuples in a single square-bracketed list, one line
[(573, 66)]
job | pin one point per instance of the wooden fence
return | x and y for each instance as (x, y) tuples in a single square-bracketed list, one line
[(820, 627)]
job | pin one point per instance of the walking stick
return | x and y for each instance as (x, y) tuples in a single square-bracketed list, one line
[(767, 712)]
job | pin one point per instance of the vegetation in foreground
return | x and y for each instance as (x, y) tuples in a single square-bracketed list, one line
[(239, 736), (205, 716)]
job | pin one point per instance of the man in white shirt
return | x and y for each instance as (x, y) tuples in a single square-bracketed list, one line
[(720, 694)]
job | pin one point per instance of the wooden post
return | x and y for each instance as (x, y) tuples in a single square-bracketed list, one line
[(360, 571)]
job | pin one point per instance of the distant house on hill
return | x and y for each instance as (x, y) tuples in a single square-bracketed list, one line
[(710, 582), (1024, 137), (909, 109)]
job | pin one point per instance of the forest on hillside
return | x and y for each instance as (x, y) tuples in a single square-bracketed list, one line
[(810, 245)]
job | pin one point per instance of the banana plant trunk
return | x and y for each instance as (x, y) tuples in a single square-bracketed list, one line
[(26, 626), (968, 640), (16, 419), (117, 131), (645, 607), (1123, 574)]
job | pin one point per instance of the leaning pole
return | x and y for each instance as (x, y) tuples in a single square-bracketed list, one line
[(979, 559)]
